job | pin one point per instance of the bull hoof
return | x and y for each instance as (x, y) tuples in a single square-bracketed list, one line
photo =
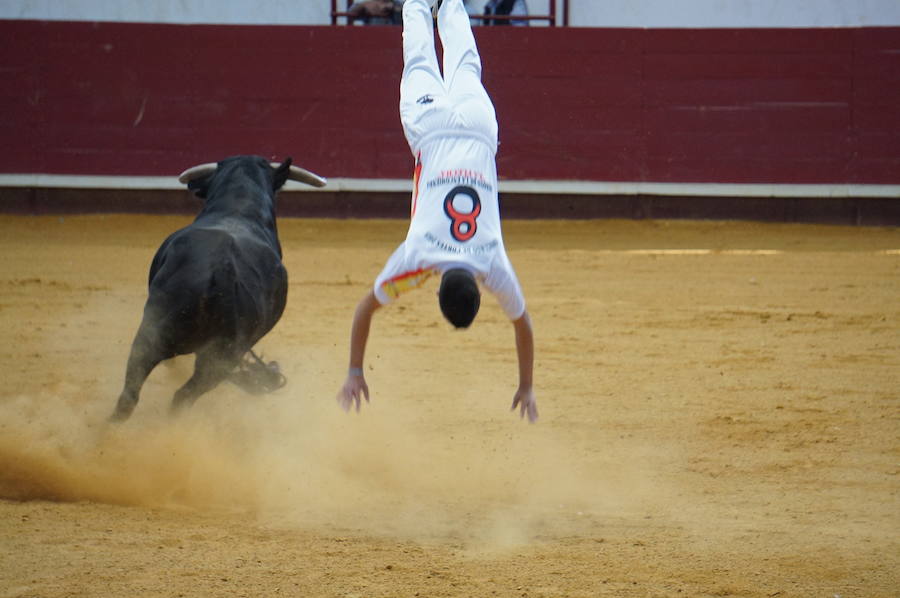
[(121, 413), (179, 406), (255, 376)]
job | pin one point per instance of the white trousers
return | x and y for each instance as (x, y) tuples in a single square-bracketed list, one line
[(432, 104)]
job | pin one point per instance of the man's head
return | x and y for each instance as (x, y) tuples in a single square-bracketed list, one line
[(459, 297)]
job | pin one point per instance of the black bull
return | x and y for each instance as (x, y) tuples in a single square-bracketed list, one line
[(218, 285)]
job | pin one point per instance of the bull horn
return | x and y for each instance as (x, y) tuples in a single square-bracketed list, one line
[(304, 176), (301, 175), (195, 172)]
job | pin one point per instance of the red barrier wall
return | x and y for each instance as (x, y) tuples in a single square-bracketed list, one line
[(769, 105)]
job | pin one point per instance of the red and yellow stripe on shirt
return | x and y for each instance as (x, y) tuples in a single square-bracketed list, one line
[(407, 281), (416, 176)]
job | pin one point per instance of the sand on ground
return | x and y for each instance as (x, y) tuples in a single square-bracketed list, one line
[(720, 416)]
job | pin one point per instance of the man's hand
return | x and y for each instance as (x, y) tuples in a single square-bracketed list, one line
[(353, 391), (526, 402)]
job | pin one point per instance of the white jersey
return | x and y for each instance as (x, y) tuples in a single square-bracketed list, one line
[(455, 224)]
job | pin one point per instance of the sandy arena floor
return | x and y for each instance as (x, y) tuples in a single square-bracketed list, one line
[(713, 423)]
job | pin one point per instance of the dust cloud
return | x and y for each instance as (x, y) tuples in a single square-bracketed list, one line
[(299, 462)]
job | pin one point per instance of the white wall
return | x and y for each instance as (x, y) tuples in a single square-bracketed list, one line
[(731, 13), (288, 12), (589, 13)]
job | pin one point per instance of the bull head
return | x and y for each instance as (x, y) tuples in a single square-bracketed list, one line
[(293, 173)]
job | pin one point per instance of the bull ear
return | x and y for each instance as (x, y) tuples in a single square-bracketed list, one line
[(199, 187), (280, 176), (197, 178)]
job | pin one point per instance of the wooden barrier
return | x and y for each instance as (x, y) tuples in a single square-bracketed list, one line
[(732, 106)]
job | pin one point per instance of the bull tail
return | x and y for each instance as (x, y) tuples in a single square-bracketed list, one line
[(220, 312)]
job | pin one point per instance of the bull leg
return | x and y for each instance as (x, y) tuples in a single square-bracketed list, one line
[(143, 358), (209, 370)]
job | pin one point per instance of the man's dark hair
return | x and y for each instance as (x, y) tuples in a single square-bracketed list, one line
[(459, 297)]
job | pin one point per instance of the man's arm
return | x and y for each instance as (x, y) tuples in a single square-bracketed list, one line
[(355, 387), (524, 398)]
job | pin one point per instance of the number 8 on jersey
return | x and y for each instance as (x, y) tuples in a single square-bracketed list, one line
[(463, 225)]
